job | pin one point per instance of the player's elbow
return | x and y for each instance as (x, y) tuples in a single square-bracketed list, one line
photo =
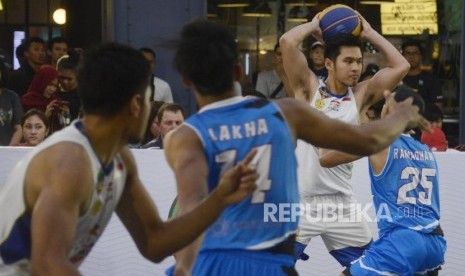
[(155, 253), (404, 66)]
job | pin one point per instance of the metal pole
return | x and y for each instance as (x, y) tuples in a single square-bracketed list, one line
[(257, 49), (462, 82)]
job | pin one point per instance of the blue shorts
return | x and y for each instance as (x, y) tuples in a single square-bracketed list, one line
[(401, 252), (242, 262)]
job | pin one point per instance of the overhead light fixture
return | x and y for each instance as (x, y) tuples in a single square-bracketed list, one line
[(375, 2), (233, 3), (1, 5), (307, 3), (59, 16), (298, 14), (258, 8)]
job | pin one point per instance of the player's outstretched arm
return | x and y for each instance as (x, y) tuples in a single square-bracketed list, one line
[(319, 130), (301, 79), (58, 187), (156, 239), (387, 78)]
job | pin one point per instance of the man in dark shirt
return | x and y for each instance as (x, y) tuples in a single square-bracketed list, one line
[(420, 81), (35, 57)]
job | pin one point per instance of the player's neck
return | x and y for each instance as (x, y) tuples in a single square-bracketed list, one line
[(335, 86), (203, 100), (105, 136)]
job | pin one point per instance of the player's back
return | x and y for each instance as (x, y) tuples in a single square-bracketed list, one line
[(406, 192), (229, 129), (15, 222)]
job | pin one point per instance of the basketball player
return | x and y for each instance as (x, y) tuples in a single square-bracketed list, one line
[(343, 98), (243, 241), (405, 185), (59, 198)]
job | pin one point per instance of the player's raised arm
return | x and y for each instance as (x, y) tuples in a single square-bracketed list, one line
[(387, 78), (361, 140), (302, 80), (56, 201)]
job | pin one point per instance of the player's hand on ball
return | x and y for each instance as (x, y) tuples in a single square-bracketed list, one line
[(366, 27), (239, 182)]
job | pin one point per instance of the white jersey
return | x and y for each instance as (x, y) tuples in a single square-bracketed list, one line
[(314, 179), (15, 222)]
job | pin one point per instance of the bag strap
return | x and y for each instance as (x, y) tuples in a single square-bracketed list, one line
[(276, 90)]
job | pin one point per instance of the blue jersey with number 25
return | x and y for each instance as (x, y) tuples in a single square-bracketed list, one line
[(406, 192)]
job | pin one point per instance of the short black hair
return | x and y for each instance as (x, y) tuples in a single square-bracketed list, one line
[(148, 50), (31, 40), (415, 43), (207, 54), (333, 44), (404, 92), (110, 76), (69, 61), (56, 39)]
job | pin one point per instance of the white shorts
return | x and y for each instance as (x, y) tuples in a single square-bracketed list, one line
[(338, 219)]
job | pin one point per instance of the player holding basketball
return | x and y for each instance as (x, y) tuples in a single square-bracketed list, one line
[(59, 198), (242, 241), (340, 97), (405, 185)]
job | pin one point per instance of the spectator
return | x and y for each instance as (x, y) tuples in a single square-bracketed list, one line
[(67, 68), (20, 54), (273, 83), (316, 60), (35, 127), (161, 89), (169, 117), (34, 55), (435, 140), (41, 95), (420, 81), (153, 129), (57, 47), (10, 111)]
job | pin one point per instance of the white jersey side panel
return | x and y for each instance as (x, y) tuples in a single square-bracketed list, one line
[(314, 179), (15, 221)]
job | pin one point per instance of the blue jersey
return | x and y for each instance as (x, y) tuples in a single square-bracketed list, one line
[(406, 193), (230, 129)]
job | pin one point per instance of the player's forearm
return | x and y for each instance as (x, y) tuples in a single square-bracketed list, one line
[(332, 158), (294, 37), (391, 54), (175, 234), (387, 130)]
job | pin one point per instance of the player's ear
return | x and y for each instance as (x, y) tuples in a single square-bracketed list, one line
[(135, 105), (329, 64), (186, 81)]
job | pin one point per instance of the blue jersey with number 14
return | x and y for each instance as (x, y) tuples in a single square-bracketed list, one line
[(406, 193), (230, 129)]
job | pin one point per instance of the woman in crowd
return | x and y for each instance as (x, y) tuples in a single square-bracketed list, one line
[(35, 128), (41, 95)]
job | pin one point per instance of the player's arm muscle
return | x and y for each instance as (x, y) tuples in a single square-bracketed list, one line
[(58, 186)]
